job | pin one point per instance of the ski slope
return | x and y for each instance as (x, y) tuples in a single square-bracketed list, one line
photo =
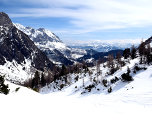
[(125, 98)]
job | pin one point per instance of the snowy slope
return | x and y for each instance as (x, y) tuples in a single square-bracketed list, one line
[(132, 97), (17, 73), (126, 98)]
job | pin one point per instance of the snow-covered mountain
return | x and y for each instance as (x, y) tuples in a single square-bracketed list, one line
[(19, 56), (56, 50), (39, 35), (103, 47)]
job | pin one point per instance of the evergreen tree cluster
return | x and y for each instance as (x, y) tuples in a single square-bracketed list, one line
[(3, 88), (130, 53), (126, 76), (143, 51)]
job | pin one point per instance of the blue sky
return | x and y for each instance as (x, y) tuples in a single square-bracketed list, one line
[(85, 21)]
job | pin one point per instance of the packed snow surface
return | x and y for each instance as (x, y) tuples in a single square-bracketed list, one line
[(126, 97)]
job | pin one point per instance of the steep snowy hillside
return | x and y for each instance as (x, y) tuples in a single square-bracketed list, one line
[(103, 47), (48, 42)]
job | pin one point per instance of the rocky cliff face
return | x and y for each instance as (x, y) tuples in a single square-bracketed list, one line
[(16, 45)]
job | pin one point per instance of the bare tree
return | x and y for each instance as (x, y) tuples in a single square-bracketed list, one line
[(69, 79), (118, 57), (141, 51), (126, 53), (83, 78), (83, 81), (49, 77), (90, 75), (84, 64), (68, 69), (94, 62), (102, 60), (98, 68), (110, 60)]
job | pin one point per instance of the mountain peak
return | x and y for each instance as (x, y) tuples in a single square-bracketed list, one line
[(41, 29), (5, 20), (39, 35)]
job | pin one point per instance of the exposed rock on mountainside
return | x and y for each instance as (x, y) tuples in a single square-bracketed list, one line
[(16, 45)]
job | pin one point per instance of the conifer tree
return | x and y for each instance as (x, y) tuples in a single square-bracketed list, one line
[(36, 80), (142, 51), (142, 48), (63, 71), (148, 53), (118, 57), (43, 80), (133, 52), (126, 53)]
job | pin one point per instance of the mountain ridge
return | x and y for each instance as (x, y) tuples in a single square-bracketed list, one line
[(103, 47), (47, 41)]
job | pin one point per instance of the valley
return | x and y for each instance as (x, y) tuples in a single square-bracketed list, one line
[(39, 73)]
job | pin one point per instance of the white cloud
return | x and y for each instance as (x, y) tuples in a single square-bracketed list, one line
[(92, 15)]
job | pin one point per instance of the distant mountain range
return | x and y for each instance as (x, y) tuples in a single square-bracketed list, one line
[(103, 47)]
